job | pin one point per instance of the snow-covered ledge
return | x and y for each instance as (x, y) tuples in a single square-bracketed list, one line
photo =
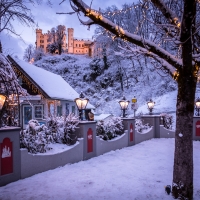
[(36, 163), (147, 135), (119, 142), (166, 133)]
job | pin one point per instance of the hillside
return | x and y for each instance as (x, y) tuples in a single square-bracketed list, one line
[(105, 82)]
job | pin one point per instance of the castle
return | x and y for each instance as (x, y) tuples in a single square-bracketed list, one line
[(70, 45)]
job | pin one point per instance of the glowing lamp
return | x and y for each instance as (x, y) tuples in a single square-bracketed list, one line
[(124, 105)]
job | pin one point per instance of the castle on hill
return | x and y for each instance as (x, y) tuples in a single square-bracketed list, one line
[(70, 45)]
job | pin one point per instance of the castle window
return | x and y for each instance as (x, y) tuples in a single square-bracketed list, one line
[(76, 45), (82, 45), (79, 45)]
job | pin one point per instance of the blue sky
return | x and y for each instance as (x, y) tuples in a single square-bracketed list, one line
[(46, 18)]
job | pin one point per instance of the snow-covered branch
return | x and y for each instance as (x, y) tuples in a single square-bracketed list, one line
[(167, 12), (150, 46), (165, 65)]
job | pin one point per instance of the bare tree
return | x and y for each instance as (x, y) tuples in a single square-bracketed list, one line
[(11, 10), (28, 53), (177, 24)]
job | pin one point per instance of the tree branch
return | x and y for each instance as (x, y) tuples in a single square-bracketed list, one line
[(151, 47)]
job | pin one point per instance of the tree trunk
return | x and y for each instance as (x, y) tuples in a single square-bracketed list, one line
[(182, 186)]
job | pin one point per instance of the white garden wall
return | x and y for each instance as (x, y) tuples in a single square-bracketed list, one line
[(35, 163), (140, 137), (119, 142), (166, 133)]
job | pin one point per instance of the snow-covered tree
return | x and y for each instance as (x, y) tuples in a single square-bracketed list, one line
[(9, 85), (38, 54), (56, 36), (175, 23), (29, 53)]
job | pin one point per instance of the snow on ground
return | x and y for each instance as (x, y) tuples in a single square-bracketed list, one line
[(139, 172)]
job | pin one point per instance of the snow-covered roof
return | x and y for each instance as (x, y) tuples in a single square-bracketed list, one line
[(51, 84), (101, 117)]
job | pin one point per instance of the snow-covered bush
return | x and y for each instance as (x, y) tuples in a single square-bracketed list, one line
[(63, 128), (55, 127), (140, 127), (109, 129), (167, 120), (35, 137)]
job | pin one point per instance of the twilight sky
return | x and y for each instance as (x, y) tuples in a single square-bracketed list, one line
[(46, 18)]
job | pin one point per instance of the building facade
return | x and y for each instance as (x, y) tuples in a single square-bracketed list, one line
[(71, 44)]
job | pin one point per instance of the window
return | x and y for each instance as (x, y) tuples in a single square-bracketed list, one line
[(73, 110), (41, 41), (59, 111), (67, 109), (38, 111), (27, 112), (42, 46), (82, 45), (79, 45), (51, 108)]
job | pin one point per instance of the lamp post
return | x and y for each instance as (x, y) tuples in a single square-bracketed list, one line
[(124, 105), (150, 105), (197, 106), (81, 103)]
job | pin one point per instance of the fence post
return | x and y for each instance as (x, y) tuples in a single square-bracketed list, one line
[(196, 128), (87, 131), (153, 120), (10, 155), (129, 124)]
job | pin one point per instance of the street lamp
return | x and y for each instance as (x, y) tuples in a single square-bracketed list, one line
[(197, 106), (81, 103), (150, 105), (124, 105)]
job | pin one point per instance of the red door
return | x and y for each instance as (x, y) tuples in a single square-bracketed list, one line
[(198, 128), (89, 141), (6, 157), (131, 132)]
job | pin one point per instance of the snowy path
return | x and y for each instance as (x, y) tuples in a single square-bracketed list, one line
[(139, 172)]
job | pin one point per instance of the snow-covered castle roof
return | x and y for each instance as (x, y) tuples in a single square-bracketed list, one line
[(50, 84)]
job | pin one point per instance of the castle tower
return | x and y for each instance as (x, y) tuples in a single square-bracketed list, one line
[(38, 34), (70, 32)]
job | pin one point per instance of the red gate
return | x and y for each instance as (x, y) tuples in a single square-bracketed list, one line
[(89, 141), (131, 132), (6, 157), (198, 128)]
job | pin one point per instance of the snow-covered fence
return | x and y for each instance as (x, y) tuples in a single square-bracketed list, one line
[(166, 133), (36, 163), (140, 137), (103, 146)]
